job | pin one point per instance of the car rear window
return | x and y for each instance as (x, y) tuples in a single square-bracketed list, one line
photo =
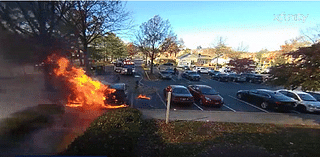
[(279, 96), (307, 97), (180, 91), (208, 91)]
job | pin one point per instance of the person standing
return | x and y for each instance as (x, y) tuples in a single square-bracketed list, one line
[(175, 71)]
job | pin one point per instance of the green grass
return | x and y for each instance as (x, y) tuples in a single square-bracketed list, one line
[(122, 132)]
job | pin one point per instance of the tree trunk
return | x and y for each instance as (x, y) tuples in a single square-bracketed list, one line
[(146, 58), (86, 59), (151, 69)]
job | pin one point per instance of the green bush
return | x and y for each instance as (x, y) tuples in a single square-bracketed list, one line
[(115, 133)]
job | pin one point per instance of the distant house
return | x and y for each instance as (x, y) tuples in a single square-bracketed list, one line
[(221, 61), (204, 60), (187, 60), (193, 59)]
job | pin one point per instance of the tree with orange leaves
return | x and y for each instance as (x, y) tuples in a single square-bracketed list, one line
[(242, 65), (302, 71)]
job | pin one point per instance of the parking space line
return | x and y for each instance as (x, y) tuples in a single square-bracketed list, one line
[(161, 99), (198, 106), (249, 104), (230, 108), (173, 79)]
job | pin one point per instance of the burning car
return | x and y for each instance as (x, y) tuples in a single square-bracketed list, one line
[(119, 96)]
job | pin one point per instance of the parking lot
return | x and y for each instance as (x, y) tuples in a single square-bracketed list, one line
[(154, 90)]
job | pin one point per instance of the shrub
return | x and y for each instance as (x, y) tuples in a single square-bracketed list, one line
[(115, 133)]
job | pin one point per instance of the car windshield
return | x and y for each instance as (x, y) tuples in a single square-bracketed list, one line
[(307, 97), (180, 91), (208, 91)]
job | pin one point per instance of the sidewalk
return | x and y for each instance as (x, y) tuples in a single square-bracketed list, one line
[(226, 116)]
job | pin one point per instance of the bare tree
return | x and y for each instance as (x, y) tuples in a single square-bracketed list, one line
[(221, 48), (36, 20), (311, 34), (141, 43), (242, 47), (91, 19), (152, 33), (38, 23)]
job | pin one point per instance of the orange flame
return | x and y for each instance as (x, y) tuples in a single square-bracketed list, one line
[(85, 92), (143, 97)]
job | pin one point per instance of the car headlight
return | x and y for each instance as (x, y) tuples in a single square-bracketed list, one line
[(208, 99), (311, 106)]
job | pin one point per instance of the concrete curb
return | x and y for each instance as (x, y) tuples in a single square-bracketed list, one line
[(228, 116)]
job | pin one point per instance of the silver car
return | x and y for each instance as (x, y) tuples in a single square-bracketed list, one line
[(165, 75), (305, 101)]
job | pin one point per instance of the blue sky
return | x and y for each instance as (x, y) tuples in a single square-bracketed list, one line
[(258, 24)]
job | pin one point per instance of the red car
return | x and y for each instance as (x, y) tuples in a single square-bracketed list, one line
[(180, 94), (206, 95)]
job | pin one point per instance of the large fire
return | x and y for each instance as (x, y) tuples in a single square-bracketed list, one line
[(82, 90)]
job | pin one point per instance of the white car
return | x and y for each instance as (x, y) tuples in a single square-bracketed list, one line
[(204, 70), (197, 69), (305, 101)]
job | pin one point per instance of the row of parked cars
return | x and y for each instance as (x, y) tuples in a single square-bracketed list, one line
[(280, 100), (204, 94), (232, 77)]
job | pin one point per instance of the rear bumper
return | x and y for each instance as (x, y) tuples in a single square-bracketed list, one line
[(213, 103)]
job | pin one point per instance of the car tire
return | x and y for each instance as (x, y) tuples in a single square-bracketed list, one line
[(301, 108), (264, 105)]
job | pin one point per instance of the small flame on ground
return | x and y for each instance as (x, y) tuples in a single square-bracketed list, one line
[(82, 90), (143, 97)]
